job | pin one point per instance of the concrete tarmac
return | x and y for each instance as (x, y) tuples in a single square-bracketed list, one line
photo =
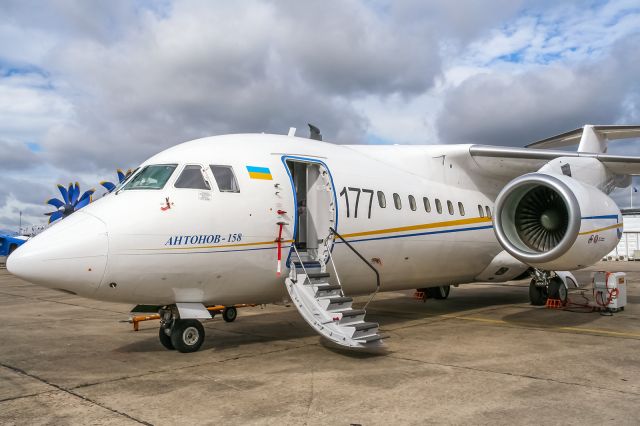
[(484, 356)]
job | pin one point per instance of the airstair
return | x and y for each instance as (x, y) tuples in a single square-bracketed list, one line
[(326, 308)]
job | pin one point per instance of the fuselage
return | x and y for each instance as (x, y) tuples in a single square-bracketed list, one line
[(419, 213)]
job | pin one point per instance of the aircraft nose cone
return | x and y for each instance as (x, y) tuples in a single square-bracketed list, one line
[(71, 255)]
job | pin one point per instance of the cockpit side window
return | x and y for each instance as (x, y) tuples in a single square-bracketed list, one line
[(154, 176), (225, 178), (192, 177)]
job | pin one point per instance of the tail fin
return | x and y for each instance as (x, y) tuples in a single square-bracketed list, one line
[(589, 138)]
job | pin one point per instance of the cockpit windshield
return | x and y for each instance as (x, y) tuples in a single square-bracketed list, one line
[(151, 177)]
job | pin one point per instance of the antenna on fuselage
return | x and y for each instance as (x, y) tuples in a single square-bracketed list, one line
[(292, 131), (314, 132)]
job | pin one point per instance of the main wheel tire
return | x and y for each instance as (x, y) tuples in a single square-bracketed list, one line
[(165, 339), (187, 335), (537, 294), (230, 314), (557, 290)]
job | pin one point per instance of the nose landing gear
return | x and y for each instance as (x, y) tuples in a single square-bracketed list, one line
[(183, 335)]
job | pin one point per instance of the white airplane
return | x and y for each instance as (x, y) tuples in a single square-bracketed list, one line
[(215, 220)]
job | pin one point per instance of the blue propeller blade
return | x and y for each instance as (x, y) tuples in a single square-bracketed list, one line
[(83, 202), (121, 175), (55, 203), (55, 216), (110, 186), (70, 191), (75, 191), (65, 193), (87, 194)]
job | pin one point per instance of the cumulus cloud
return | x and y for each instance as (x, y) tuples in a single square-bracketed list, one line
[(501, 107)]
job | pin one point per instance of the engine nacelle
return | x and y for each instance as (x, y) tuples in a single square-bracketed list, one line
[(554, 222)]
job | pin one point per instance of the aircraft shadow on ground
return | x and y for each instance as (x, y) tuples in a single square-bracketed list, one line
[(271, 327)]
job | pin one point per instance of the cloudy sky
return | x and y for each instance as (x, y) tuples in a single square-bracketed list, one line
[(86, 87)]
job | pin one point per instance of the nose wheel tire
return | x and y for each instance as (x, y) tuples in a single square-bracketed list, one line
[(230, 314), (537, 294), (187, 335), (557, 290), (165, 339)]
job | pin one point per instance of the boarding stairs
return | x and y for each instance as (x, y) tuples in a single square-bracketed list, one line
[(326, 308)]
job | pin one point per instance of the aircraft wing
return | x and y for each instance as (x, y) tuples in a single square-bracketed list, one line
[(506, 161)]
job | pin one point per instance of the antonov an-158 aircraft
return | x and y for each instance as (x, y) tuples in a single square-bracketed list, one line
[(216, 221)]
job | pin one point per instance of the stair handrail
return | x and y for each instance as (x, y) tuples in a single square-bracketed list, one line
[(373, 268), (333, 264), (301, 262)]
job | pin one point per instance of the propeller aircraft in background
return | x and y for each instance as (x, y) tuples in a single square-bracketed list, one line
[(215, 221)]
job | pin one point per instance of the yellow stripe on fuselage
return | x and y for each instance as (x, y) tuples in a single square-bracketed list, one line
[(444, 224)]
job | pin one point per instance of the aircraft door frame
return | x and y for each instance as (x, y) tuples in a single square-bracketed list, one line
[(332, 206)]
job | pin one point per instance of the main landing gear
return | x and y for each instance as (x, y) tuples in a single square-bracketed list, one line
[(546, 285), (438, 293)]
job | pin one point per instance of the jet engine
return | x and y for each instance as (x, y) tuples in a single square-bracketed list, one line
[(555, 222)]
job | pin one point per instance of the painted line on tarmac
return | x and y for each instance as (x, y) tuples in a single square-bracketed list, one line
[(539, 327)]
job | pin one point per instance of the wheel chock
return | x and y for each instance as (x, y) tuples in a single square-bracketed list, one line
[(554, 304)]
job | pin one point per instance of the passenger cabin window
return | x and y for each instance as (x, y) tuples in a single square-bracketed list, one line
[(382, 201), (412, 203), (151, 177), (225, 178), (480, 211), (397, 201), (461, 208), (450, 206), (192, 177), (438, 206), (488, 210), (427, 204)]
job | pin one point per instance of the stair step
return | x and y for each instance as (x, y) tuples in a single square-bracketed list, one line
[(336, 303), (328, 290), (363, 326), (353, 313), (326, 287), (335, 300), (317, 275), (369, 339), (306, 263)]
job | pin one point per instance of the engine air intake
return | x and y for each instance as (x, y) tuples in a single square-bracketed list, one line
[(541, 219), (537, 218)]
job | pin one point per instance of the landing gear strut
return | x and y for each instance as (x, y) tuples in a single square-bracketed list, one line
[(438, 293), (545, 285), (183, 335)]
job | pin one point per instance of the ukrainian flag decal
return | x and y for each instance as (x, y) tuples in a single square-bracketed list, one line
[(259, 173)]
